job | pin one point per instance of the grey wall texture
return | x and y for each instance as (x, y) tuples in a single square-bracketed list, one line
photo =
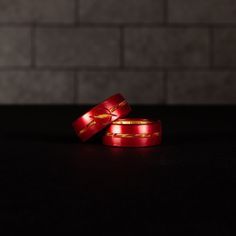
[(153, 51)]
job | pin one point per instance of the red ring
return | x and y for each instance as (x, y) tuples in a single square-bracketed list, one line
[(100, 116), (133, 133)]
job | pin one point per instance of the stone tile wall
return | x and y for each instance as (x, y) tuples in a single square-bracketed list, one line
[(153, 51)]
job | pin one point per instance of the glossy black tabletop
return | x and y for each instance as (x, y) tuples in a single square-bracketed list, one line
[(52, 182)]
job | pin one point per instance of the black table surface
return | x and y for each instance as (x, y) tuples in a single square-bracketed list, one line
[(52, 182)]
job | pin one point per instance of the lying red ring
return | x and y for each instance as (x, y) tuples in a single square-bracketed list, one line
[(100, 116), (133, 133)]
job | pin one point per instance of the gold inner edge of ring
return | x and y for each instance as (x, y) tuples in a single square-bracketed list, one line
[(132, 122), (144, 135)]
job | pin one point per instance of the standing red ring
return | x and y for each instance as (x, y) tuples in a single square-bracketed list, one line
[(133, 133), (100, 116)]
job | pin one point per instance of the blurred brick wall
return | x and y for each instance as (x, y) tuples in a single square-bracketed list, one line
[(153, 51)]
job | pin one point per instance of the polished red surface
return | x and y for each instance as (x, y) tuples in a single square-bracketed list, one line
[(133, 133), (100, 116)]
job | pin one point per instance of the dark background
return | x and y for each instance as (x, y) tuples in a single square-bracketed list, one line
[(153, 51), (51, 182)]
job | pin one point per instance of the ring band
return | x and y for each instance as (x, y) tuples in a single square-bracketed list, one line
[(133, 133), (100, 116)]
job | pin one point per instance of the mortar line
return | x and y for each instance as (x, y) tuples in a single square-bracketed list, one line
[(75, 97), (166, 11), (112, 25), (115, 69), (33, 46), (122, 48), (77, 14), (165, 87), (211, 47)]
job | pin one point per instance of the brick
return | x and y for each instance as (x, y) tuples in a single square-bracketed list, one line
[(14, 46), (36, 87), (42, 11), (77, 47), (137, 87), (128, 11), (202, 11), (148, 47), (202, 87), (225, 47)]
